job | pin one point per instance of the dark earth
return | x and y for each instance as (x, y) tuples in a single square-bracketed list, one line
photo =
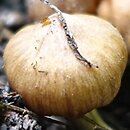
[(13, 16)]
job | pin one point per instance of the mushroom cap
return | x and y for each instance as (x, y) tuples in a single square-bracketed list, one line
[(117, 12), (40, 65), (114, 11)]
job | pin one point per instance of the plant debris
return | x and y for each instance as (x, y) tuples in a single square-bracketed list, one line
[(71, 41), (14, 115)]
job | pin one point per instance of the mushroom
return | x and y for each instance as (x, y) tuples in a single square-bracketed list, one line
[(117, 12), (43, 69)]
